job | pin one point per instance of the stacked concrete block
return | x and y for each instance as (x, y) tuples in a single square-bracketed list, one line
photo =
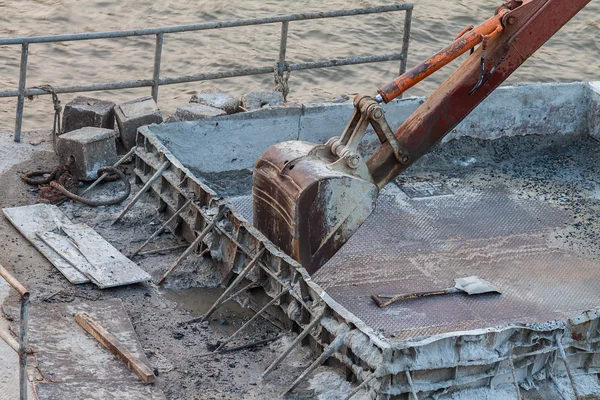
[(133, 114), (223, 101), (91, 148), (195, 112), (86, 111), (257, 100)]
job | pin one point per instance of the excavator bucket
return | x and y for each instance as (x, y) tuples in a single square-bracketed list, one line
[(307, 206), (309, 199)]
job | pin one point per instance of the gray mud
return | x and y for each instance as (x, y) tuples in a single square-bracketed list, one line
[(174, 349)]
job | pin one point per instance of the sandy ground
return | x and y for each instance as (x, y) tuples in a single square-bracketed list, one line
[(173, 349)]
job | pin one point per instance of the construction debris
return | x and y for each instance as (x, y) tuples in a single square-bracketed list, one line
[(91, 148), (256, 100), (86, 111), (141, 368), (223, 101), (195, 112), (77, 251), (133, 114)]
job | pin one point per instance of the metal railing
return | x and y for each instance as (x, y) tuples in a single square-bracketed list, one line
[(21, 346), (280, 68)]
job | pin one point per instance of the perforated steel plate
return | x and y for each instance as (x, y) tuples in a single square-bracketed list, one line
[(412, 245)]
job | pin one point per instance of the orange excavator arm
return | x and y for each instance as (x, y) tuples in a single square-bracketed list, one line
[(309, 199)]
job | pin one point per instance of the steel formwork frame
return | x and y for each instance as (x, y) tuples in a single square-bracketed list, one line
[(385, 367), (279, 69)]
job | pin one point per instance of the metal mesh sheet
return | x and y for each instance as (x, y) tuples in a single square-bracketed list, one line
[(411, 245)]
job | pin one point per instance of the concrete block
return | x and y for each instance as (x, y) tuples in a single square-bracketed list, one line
[(86, 111), (594, 111), (91, 147), (257, 100), (195, 112), (133, 114), (223, 101), (228, 143)]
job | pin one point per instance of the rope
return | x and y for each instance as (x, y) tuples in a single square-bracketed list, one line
[(281, 80), (97, 203), (62, 175), (56, 128)]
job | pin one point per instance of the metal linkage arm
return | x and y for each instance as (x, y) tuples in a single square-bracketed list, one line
[(526, 26)]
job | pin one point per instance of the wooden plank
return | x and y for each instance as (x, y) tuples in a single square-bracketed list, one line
[(110, 267), (115, 346), (40, 218)]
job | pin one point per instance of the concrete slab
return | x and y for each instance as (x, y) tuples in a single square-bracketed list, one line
[(37, 219), (86, 111), (80, 367), (133, 114), (91, 147)]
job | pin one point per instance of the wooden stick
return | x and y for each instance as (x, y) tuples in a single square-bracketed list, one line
[(104, 175), (9, 340), (139, 194), (13, 282), (115, 346), (192, 246)]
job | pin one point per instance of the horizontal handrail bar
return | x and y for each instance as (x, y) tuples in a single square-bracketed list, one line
[(205, 26), (205, 77)]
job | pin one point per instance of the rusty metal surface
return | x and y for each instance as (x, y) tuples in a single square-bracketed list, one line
[(410, 245)]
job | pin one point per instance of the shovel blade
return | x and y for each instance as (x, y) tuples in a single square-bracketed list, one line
[(475, 285), (305, 206)]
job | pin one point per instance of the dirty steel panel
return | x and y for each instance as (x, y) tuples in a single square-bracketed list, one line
[(412, 245)]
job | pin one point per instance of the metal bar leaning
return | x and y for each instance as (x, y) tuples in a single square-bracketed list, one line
[(230, 288), (144, 189), (162, 227), (22, 349), (192, 246)]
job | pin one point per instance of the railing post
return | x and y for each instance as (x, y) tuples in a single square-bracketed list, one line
[(21, 96), (157, 58), (23, 346), (405, 39)]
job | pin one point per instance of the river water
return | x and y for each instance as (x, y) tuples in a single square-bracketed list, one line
[(572, 55)]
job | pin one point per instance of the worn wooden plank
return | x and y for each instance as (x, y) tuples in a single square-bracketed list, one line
[(110, 267), (115, 346), (40, 218)]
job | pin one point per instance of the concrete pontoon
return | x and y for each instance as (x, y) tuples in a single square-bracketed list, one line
[(512, 195)]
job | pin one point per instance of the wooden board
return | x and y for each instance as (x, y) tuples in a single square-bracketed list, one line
[(115, 346), (77, 365), (40, 218), (110, 267)]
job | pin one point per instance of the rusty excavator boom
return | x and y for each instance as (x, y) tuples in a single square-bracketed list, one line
[(309, 199)]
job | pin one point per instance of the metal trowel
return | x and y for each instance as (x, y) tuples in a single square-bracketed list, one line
[(470, 285)]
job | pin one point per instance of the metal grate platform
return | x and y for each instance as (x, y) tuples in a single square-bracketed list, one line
[(411, 245)]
